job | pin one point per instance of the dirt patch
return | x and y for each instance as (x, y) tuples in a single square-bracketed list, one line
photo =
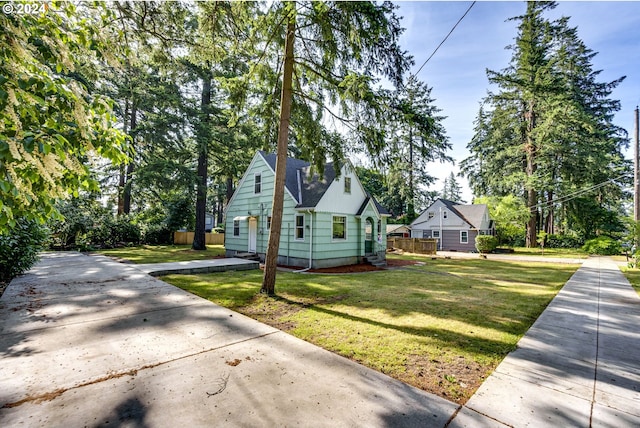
[(456, 380), (3, 286)]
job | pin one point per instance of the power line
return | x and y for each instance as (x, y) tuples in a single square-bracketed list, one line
[(577, 193), (444, 40)]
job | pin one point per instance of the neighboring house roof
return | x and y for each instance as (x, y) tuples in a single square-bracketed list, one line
[(393, 227), (308, 190), (471, 214)]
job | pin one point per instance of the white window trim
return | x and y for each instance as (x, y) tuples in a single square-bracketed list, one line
[(255, 176), (465, 232), (296, 227), (347, 180), (430, 215), (433, 234), (345, 228)]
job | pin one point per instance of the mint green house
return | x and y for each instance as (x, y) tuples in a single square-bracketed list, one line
[(328, 220)]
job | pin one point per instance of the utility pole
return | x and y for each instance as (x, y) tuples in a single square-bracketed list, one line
[(636, 168)]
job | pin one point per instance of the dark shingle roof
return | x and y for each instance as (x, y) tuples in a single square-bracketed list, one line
[(313, 187)]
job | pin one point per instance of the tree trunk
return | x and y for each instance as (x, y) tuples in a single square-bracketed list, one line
[(122, 178), (271, 261), (229, 189), (126, 197), (199, 237), (411, 211), (549, 222), (531, 167)]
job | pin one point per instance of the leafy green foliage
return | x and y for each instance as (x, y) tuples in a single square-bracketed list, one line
[(51, 123), (563, 241), (112, 232), (19, 247), (602, 245), (510, 214), (486, 243)]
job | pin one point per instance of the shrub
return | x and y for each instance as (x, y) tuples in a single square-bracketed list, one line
[(19, 247), (563, 241), (158, 234), (602, 245), (486, 243), (112, 232)]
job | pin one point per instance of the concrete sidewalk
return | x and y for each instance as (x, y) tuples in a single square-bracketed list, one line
[(87, 341), (577, 366), (197, 266)]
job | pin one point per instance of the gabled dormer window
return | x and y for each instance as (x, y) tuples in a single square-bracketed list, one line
[(347, 185), (257, 184)]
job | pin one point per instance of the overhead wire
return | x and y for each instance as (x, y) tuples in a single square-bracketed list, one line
[(444, 40), (577, 193)]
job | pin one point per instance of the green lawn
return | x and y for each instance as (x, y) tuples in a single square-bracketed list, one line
[(633, 276), (163, 253), (572, 253), (442, 326)]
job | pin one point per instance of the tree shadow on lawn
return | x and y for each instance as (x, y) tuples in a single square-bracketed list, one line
[(466, 343), (494, 303)]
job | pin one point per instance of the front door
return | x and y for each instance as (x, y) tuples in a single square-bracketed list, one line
[(368, 237), (253, 234)]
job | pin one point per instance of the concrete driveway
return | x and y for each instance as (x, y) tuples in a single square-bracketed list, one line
[(87, 341)]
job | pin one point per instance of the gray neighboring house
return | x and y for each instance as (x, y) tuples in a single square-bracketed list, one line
[(455, 225)]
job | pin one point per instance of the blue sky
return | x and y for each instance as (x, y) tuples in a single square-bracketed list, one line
[(457, 72)]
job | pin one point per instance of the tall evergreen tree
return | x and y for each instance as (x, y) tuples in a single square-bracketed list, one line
[(415, 138), (548, 122), (333, 52), (451, 189)]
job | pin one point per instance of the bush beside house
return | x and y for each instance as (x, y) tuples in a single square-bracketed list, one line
[(486, 243)]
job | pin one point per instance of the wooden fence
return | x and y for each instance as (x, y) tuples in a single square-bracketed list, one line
[(414, 245), (186, 238)]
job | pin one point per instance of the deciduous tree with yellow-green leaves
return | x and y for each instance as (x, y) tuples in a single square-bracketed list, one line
[(53, 124)]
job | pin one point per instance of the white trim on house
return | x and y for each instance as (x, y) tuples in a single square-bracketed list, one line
[(257, 183), (333, 217), (296, 227)]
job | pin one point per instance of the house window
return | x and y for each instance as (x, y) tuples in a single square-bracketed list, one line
[(444, 214), (300, 227), (339, 227), (268, 222), (257, 184), (430, 215), (464, 237), (435, 234), (236, 227), (347, 185)]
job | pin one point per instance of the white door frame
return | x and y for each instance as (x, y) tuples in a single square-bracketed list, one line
[(253, 235)]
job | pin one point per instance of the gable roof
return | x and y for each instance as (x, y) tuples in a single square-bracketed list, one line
[(471, 214), (309, 190)]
